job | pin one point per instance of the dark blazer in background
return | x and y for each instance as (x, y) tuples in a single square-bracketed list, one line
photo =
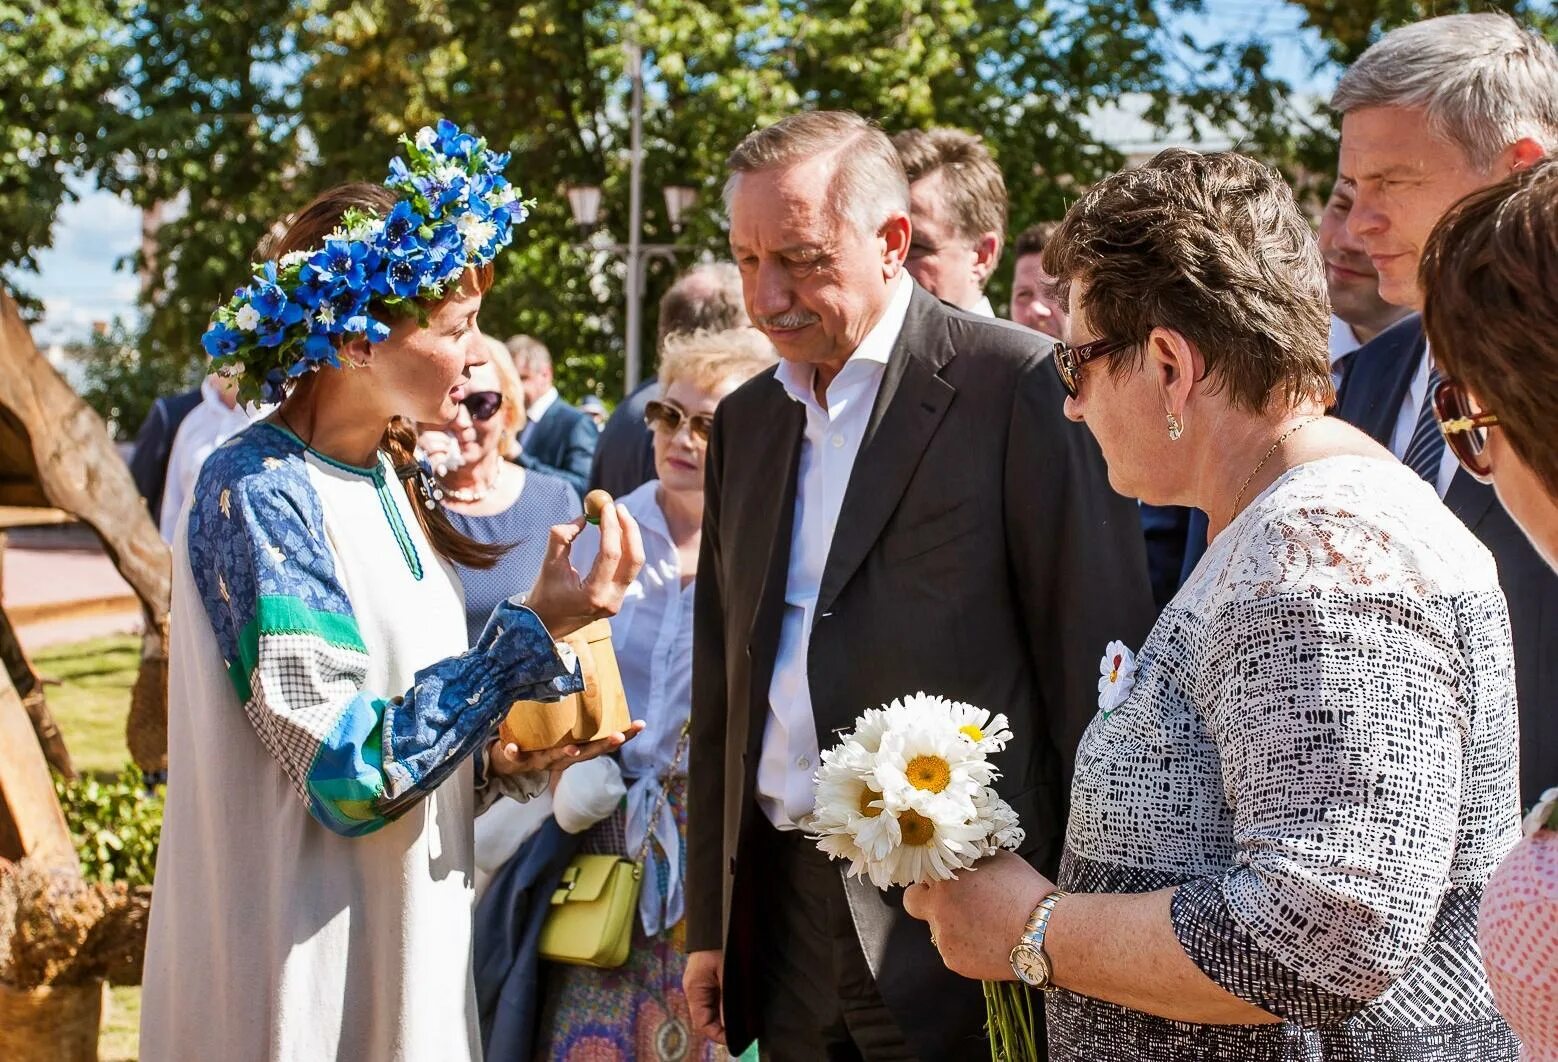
[(625, 456), (563, 443), (1381, 373), (154, 445), (979, 554)]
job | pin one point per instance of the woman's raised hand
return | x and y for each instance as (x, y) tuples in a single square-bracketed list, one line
[(563, 599)]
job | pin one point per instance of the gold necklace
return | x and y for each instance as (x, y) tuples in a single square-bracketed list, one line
[(1262, 463)]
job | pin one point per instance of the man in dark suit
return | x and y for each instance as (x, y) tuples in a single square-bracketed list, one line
[(706, 297), (1432, 112), (901, 505), (557, 438), (154, 445)]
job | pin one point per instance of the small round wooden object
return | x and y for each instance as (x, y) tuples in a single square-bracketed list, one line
[(595, 503)]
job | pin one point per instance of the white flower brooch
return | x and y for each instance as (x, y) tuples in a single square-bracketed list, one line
[(1117, 676)]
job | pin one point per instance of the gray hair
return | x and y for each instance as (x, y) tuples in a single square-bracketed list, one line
[(867, 184), (1484, 81), (529, 353), (705, 298)]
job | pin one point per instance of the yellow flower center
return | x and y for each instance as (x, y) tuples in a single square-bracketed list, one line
[(867, 794), (916, 828), (928, 772), (972, 732)]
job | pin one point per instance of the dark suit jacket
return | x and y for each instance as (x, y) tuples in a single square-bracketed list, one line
[(979, 554), (562, 443), (154, 445), (625, 457), (1377, 382)]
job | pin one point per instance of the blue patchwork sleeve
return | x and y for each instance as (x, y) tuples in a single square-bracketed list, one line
[(297, 660)]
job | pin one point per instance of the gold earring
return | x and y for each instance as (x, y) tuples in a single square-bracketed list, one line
[(1176, 429)]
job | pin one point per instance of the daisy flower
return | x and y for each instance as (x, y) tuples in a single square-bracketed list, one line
[(1117, 676)]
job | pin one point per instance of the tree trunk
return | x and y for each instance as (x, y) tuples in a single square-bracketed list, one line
[(56, 451)]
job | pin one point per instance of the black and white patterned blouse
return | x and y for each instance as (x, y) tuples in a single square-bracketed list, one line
[(1319, 751)]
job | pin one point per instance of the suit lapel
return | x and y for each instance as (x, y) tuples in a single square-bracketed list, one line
[(909, 407), (1381, 374), (770, 549)]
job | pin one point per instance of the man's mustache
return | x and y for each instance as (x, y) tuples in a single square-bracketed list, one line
[(794, 319)]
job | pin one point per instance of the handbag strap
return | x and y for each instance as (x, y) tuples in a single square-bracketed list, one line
[(649, 823)]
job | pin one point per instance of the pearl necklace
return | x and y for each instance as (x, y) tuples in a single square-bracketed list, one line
[(471, 495)]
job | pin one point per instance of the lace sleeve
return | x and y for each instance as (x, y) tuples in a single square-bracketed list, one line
[(1339, 723)]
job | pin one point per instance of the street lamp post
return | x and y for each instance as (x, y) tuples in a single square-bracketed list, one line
[(584, 202)]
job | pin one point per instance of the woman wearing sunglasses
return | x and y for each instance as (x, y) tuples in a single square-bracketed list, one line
[(640, 1011), (1285, 810), (487, 496), (1491, 317)]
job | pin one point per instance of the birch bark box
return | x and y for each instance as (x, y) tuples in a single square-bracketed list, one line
[(601, 709)]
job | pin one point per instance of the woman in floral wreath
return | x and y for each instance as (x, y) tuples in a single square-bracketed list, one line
[(1284, 814), (330, 733)]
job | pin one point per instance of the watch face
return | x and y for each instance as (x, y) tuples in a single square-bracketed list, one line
[(1030, 964)]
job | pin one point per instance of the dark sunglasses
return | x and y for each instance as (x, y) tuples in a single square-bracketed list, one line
[(483, 405), (1069, 360), (1465, 431), (663, 416)]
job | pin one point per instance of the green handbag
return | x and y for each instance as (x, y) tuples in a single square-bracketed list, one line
[(590, 922)]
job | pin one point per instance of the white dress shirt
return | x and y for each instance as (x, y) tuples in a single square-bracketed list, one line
[(982, 307), (828, 449), (1406, 424), (1343, 342), (208, 426)]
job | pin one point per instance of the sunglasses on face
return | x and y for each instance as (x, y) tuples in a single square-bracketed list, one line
[(1069, 360), (663, 416), (1465, 430), (483, 405)]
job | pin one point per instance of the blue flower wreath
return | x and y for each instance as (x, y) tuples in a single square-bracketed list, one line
[(456, 211)]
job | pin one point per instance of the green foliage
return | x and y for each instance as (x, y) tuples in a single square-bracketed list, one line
[(57, 64), (228, 117), (121, 378), (116, 826)]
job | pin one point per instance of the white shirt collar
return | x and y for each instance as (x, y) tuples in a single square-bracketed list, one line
[(1343, 339), (538, 408), (982, 307), (871, 354)]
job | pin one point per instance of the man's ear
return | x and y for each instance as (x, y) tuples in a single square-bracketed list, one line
[(1525, 153), (895, 233), (987, 255)]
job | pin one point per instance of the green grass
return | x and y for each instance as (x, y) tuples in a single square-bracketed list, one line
[(90, 705), (92, 701)]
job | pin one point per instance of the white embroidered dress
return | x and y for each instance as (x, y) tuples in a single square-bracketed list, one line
[(273, 935)]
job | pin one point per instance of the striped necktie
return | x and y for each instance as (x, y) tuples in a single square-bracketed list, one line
[(1425, 451)]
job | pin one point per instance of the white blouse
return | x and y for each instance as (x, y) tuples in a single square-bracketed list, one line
[(652, 636)]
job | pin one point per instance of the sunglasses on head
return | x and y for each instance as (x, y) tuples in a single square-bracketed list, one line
[(1069, 360), (483, 405), (663, 416), (1465, 430)]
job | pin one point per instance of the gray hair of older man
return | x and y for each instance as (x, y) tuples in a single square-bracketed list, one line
[(706, 298), (867, 185), (1484, 81)]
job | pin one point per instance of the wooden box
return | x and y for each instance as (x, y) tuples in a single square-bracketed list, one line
[(600, 710)]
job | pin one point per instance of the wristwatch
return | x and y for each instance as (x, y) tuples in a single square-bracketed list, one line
[(1029, 961)]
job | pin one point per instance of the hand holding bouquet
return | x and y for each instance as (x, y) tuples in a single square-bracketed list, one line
[(906, 798)]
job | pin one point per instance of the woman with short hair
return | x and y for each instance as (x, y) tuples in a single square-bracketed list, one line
[(1285, 811), (640, 1010), (487, 496), (1491, 318)]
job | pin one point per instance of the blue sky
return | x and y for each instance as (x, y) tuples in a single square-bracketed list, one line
[(79, 283)]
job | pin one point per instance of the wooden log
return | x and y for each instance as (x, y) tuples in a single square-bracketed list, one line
[(30, 688), (31, 822), (66, 450)]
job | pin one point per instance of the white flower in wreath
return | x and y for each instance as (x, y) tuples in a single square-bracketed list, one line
[(1117, 676)]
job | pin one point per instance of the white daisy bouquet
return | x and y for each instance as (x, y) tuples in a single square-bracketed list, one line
[(906, 798)]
